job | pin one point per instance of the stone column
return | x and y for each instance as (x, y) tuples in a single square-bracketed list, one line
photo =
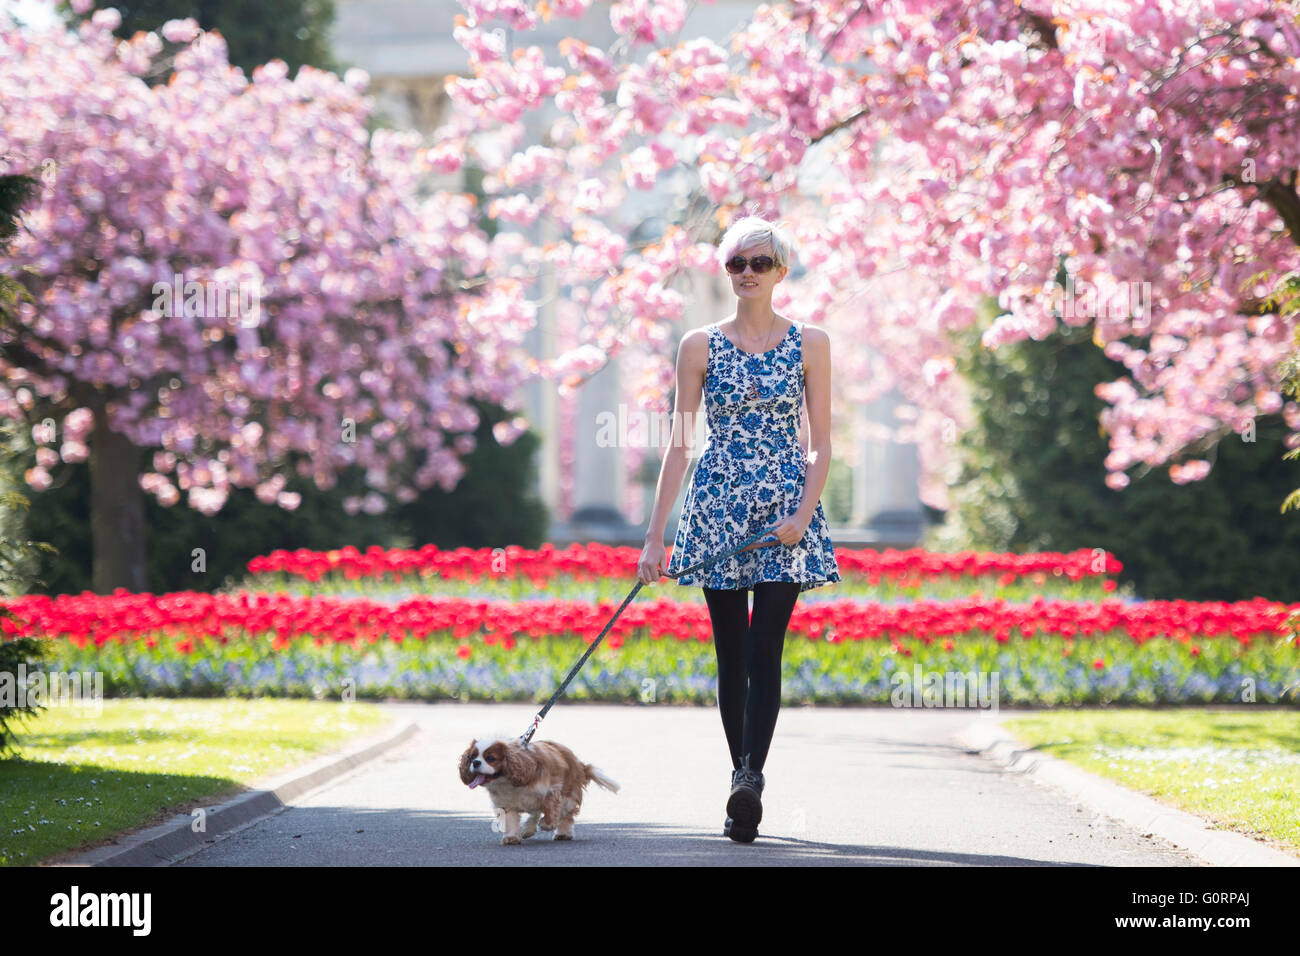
[(544, 404), (885, 481), (598, 479)]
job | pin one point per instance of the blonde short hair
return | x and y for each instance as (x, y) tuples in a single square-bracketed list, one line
[(753, 230)]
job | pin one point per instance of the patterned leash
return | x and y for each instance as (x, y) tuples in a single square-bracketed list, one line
[(528, 734)]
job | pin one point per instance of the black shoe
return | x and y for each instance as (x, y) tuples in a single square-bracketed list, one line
[(726, 827), (745, 808)]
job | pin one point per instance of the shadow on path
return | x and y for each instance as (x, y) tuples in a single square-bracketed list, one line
[(349, 836)]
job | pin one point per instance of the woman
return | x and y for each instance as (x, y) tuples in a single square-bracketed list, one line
[(755, 474)]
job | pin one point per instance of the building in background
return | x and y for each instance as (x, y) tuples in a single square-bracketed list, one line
[(407, 48)]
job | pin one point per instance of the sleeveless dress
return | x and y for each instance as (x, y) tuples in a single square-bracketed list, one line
[(751, 473)]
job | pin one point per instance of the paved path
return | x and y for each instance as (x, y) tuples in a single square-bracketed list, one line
[(877, 786)]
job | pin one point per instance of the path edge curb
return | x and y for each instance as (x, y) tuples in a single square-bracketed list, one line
[(989, 739), (175, 839)]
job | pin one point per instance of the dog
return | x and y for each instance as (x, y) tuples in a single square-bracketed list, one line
[(542, 779)]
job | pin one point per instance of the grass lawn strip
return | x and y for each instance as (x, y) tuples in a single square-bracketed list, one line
[(1236, 767), (78, 780)]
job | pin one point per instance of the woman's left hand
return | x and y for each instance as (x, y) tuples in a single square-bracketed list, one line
[(791, 530)]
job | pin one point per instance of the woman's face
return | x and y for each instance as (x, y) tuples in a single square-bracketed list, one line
[(749, 284)]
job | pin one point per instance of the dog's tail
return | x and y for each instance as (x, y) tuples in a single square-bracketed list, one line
[(602, 778)]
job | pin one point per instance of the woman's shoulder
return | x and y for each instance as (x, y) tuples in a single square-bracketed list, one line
[(697, 337), (814, 335), (694, 347)]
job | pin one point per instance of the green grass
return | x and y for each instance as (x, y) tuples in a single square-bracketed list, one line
[(79, 780), (1237, 768)]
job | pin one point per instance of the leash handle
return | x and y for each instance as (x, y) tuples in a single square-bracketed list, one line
[(725, 554), (527, 735)]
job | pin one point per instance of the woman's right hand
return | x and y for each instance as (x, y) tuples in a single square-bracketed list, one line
[(651, 566)]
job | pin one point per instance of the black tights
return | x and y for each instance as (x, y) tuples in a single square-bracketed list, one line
[(749, 663)]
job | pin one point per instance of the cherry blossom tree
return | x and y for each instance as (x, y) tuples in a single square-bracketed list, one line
[(232, 274), (1128, 165)]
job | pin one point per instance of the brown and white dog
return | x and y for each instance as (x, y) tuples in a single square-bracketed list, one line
[(542, 779)]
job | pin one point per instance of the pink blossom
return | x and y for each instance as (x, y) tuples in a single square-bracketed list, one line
[(180, 31), (304, 236)]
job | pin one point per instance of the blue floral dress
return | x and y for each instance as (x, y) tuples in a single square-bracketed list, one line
[(750, 475)]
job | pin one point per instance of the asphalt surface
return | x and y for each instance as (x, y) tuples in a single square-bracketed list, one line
[(857, 786)]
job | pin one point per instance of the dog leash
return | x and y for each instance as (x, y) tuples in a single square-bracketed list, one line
[(528, 734)]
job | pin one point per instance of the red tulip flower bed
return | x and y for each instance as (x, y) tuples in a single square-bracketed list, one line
[(596, 560), (514, 573), (838, 651)]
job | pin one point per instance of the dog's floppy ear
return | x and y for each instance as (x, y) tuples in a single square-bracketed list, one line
[(465, 775), (520, 767)]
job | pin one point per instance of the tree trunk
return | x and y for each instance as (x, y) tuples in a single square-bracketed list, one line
[(116, 511)]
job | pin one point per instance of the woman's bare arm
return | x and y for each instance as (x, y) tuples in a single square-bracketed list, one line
[(817, 394)]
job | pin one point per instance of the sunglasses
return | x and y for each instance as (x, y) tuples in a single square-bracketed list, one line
[(761, 264)]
